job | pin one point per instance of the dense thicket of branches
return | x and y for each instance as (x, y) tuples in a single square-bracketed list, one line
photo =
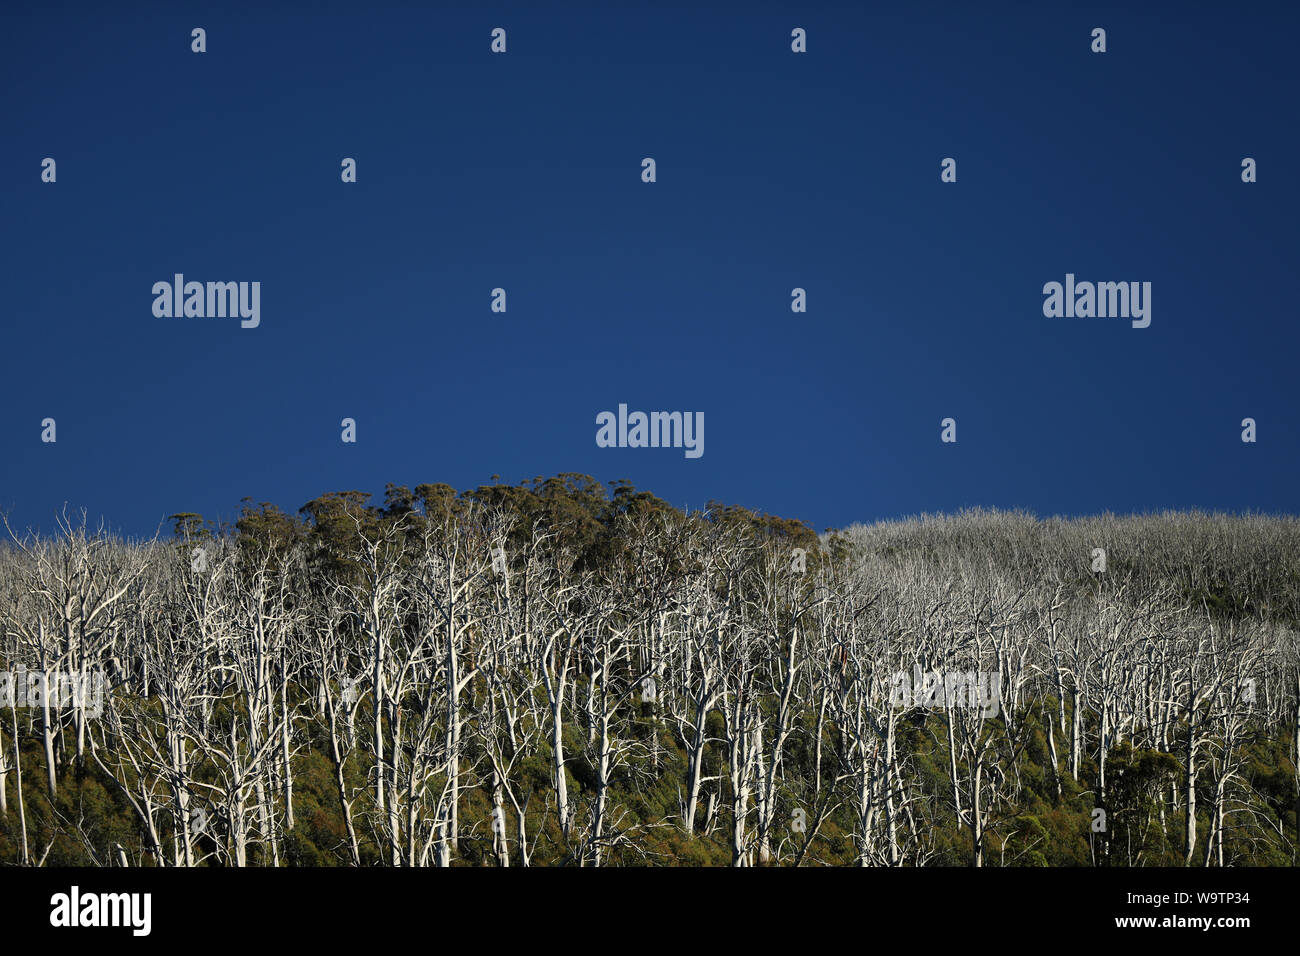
[(551, 674)]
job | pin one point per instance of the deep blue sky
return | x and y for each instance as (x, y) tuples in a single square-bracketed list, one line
[(775, 170)]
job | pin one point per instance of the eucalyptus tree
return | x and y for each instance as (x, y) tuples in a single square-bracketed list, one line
[(376, 601)]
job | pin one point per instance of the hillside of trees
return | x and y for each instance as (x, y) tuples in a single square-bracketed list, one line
[(560, 673)]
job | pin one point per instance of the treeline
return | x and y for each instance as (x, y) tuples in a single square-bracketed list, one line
[(552, 673)]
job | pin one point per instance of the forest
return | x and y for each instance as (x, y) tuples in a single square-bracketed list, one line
[(560, 673)]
